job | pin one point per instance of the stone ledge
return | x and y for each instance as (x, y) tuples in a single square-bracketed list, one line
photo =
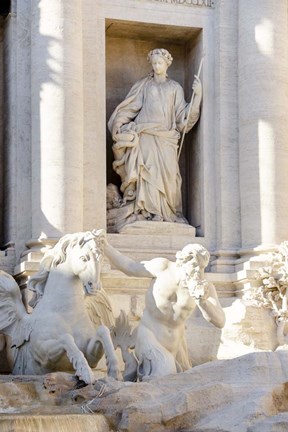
[(158, 228)]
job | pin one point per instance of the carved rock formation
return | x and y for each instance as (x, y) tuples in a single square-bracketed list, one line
[(245, 394)]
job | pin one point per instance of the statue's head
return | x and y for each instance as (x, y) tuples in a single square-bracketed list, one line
[(193, 253), (160, 52)]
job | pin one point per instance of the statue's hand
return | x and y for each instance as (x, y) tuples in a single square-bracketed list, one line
[(199, 290), (116, 129), (197, 86), (101, 236)]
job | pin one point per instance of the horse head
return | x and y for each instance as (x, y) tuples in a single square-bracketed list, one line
[(81, 255), (85, 255)]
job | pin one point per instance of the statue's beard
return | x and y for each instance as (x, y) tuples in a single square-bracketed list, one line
[(189, 274), (191, 279)]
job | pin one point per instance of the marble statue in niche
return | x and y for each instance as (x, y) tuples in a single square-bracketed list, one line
[(146, 128), (176, 289)]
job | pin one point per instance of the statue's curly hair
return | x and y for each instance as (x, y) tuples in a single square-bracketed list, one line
[(161, 52), (196, 252)]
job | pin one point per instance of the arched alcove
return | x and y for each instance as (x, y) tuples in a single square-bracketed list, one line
[(127, 46)]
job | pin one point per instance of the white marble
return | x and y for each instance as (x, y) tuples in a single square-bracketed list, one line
[(64, 74), (68, 326), (146, 130), (176, 289), (272, 289)]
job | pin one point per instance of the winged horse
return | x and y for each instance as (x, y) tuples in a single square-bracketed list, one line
[(69, 324)]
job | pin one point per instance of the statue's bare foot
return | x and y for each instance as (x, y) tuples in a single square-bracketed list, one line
[(146, 214), (157, 218), (130, 192), (181, 219), (129, 195)]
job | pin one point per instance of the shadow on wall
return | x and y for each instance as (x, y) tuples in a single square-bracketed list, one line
[(5, 7), (23, 129)]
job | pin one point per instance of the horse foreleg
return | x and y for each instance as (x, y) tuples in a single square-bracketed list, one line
[(102, 341), (52, 350)]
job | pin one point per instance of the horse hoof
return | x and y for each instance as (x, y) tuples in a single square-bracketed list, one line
[(116, 374), (86, 376)]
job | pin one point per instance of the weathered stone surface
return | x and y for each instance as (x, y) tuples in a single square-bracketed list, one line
[(71, 423), (245, 394)]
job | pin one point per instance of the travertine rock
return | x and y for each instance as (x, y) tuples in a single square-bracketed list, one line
[(233, 395), (246, 394)]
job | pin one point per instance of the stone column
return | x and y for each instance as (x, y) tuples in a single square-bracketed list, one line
[(17, 127), (226, 136), (263, 123), (57, 118)]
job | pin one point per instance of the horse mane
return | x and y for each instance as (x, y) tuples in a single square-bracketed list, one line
[(7, 283), (12, 310), (51, 259)]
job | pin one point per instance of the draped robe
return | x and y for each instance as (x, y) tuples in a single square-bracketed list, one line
[(155, 114)]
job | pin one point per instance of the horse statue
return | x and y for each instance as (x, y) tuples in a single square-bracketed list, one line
[(69, 324)]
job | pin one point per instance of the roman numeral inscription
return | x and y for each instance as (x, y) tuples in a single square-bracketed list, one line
[(205, 3)]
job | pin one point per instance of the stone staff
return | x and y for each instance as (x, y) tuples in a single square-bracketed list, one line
[(191, 103)]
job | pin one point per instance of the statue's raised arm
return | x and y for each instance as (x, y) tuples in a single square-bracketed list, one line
[(176, 289), (124, 263)]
